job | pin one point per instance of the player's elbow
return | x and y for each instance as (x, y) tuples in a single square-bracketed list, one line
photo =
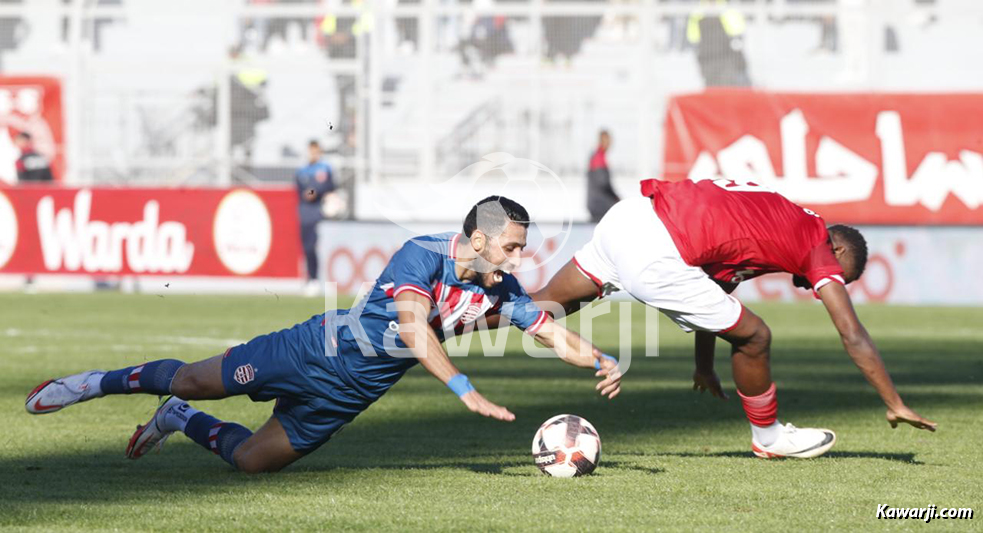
[(855, 338)]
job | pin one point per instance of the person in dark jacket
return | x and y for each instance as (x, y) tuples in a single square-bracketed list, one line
[(314, 181), (31, 166), (600, 194)]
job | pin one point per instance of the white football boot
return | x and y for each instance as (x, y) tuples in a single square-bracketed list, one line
[(57, 394), (154, 433), (802, 443)]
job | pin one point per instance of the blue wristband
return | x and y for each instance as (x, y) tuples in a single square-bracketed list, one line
[(460, 385), (597, 362)]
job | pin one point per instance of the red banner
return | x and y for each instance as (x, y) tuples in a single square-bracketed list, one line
[(198, 232), (854, 158), (31, 105)]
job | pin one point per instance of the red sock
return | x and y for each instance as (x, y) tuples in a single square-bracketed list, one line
[(761, 410)]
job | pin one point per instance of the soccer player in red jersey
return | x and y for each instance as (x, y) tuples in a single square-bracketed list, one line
[(683, 247)]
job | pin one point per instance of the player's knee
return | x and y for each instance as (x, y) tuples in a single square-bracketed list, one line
[(187, 384), (752, 337), (759, 345), (253, 463), (253, 467), (181, 385)]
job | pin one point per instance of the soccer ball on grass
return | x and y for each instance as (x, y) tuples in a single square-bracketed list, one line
[(566, 446)]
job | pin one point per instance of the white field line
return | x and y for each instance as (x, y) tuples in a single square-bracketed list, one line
[(147, 341)]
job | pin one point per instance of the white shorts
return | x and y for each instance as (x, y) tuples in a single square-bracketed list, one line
[(632, 250)]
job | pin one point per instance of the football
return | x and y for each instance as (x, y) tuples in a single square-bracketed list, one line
[(566, 446)]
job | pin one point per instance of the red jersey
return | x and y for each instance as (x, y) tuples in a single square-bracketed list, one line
[(737, 231)]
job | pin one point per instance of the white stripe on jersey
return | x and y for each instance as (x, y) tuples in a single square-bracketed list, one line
[(827, 280)]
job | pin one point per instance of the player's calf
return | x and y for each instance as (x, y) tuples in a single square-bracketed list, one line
[(150, 378), (750, 341), (268, 450), (174, 414)]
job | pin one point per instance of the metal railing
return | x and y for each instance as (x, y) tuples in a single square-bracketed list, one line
[(181, 93)]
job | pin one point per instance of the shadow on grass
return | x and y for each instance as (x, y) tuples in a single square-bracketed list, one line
[(907, 458), (411, 434)]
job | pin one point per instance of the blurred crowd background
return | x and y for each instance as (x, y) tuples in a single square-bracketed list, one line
[(186, 92)]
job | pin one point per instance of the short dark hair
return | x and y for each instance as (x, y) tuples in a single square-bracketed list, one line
[(855, 243), (313, 143), (494, 217)]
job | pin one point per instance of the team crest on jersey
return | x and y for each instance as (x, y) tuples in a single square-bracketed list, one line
[(244, 374), (471, 313)]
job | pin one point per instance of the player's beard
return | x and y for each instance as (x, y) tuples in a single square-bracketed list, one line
[(489, 274)]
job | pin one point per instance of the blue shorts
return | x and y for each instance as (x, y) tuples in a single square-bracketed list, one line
[(289, 366)]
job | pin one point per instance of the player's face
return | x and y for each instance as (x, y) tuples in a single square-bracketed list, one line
[(500, 255)]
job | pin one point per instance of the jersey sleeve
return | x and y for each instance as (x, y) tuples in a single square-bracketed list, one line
[(414, 268), (519, 308)]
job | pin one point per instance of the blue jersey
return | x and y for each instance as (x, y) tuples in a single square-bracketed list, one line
[(425, 266)]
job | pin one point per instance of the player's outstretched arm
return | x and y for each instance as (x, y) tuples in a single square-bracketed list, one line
[(861, 349), (577, 351), (412, 310), (704, 377)]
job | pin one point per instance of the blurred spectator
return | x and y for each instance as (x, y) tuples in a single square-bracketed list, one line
[(829, 38), (564, 36), (247, 96), (489, 38), (255, 30), (600, 193), (31, 166), (719, 41), (314, 183), (247, 106), (339, 35)]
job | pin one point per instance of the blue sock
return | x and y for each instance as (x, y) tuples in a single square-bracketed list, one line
[(221, 438), (150, 378)]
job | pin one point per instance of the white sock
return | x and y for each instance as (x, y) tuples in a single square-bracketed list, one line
[(766, 436), (94, 382), (176, 418)]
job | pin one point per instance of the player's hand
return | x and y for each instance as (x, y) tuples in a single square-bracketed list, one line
[(708, 381), (610, 386), (902, 414), (478, 404)]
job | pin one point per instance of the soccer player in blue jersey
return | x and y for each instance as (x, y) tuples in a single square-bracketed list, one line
[(327, 370)]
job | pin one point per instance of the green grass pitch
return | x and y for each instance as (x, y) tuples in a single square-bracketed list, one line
[(418, 460)]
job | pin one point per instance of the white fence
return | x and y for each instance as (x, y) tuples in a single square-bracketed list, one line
[(231, 90), (916, 266)]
